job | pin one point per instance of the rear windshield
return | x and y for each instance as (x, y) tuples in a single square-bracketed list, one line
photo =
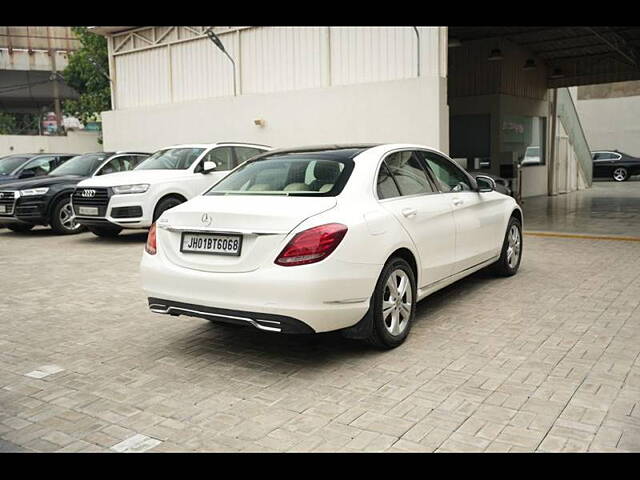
[(299, 175), (171, 159), (9, 164), (82, 165)]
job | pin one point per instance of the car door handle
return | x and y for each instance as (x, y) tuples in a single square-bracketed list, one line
[(457, 202), (409, 212)]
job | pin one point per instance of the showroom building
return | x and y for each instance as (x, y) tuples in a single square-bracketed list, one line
[(492, 98)]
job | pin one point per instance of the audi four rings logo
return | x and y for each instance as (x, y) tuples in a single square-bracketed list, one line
[(88, 193), (206, 219)]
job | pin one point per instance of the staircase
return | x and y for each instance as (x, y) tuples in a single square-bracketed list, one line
[(568, 116)]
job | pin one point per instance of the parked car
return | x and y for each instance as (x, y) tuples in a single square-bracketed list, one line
[(330, 238), (29, 165), (167, 178), (502, 184), (47, 200), (614, 164)]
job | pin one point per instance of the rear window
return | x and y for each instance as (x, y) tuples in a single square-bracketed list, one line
[(293, 174)]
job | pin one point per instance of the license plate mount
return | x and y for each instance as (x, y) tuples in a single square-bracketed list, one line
[(211, 243), (91, 211)]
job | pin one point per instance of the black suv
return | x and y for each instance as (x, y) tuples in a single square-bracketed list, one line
[(28, 165), (47, 200)]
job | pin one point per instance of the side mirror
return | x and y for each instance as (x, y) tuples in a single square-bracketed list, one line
[(27, 174), (208, 167), (485, 184)]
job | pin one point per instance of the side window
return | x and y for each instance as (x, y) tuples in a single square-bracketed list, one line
[(385, 184), (449, 177), (39, 166), (137, 160), (245, 153), (408, 173), (223, 156), (121, 163)]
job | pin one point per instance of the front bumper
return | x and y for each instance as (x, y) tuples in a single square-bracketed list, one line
[(123, 211), (329, 295)]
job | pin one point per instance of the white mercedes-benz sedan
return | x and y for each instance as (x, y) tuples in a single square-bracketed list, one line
[(342, 237)]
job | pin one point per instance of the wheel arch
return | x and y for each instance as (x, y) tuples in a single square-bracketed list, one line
[(67, 192), (407, 255), (165, 196)]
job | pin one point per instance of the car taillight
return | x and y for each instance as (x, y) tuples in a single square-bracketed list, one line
[(312, 245), (151, 247)]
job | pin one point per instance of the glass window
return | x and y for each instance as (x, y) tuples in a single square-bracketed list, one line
[(245, 153), (223, 156), (449, 177), (38, 167), (407, 171), (82, 165), (11, 163), (386, 185), (121, 163), (171, 159), (290, 174), (526, 136)]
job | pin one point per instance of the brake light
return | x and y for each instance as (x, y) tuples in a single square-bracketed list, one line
[(312, 245), (151, 247)]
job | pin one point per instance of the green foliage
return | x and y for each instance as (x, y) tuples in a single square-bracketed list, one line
[(7, 124), (86, 73)]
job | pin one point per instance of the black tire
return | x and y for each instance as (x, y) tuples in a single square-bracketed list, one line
[(620, 174), (59, 219), (504, 267), (165, 205), (107, 232), (380, 336), (19, 228)]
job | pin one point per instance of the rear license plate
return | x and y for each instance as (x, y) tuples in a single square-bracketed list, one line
[(215, 243), (3, 209), (87, 210)]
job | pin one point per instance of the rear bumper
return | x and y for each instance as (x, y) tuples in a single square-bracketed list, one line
[(261, 321), (329, 295)]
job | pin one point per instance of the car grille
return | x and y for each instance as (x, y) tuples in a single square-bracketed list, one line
[(91, 197), (8, 199)]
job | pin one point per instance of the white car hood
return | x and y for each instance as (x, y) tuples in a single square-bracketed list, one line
[(134, 177)]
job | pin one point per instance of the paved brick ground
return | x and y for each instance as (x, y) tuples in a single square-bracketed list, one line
[(547, 360)]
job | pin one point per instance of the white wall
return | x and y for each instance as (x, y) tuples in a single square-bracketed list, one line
[(73, 142), (269, 59), (412, 110), (612, 123)]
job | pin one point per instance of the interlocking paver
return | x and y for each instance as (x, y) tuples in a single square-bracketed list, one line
[(546, 360)]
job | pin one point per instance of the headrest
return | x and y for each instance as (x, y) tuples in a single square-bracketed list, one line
[(326, 171)]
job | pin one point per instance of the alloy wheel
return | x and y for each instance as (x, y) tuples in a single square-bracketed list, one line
[(68, 218), (619, 174), (513, 246), (397, 301)]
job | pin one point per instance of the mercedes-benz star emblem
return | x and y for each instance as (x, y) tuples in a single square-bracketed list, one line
[(206, 219)]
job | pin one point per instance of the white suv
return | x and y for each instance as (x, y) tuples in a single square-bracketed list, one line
[(169, 177)]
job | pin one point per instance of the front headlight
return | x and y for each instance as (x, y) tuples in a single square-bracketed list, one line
[(34, 191), (139, 188)]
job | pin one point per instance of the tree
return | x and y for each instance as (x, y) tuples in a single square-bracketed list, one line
[(7, 124), (87, 74)]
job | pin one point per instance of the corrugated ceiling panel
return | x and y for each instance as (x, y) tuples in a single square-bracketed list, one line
[(142, 78), (371, 54), (200, 70), (281, 58)]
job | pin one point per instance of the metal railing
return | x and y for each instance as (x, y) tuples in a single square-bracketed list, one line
[(568, 115)]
